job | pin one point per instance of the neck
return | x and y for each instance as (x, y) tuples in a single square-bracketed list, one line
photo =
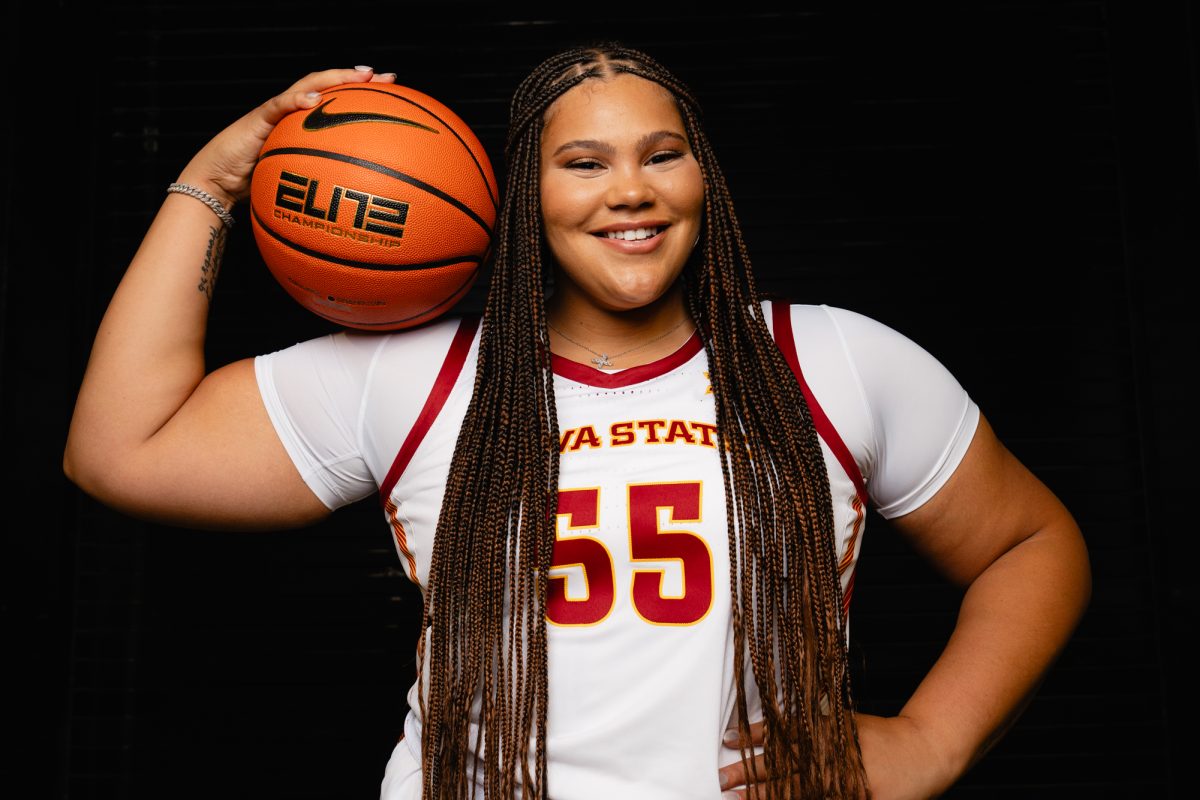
[(581, 331)]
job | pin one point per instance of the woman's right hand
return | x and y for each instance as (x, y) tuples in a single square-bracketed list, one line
[(223, 167)]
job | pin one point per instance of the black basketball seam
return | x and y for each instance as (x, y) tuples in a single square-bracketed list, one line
[(318, 119), (348, 262), (453, 298), (380, 168), (479, 167)]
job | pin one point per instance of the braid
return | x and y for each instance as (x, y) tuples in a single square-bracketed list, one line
[(780, 514), (495, 534)]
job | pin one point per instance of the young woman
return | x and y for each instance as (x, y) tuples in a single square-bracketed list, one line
[(634, 501)]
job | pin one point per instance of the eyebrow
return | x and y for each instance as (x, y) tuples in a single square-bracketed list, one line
[(605, 147)]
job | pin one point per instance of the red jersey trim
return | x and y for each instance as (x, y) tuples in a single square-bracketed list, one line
[(451, 367), (781, 316), (582, 373)]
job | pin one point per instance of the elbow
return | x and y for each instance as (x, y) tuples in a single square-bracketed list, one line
[(70, 462), (68, 468), (1085, 575), (77, 467), (1080, 557), (105, 479), (1074, 566), (86, 466)]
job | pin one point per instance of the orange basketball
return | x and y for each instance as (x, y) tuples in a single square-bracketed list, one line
[(374, 209)]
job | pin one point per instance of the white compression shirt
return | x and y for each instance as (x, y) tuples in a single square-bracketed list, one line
[(640, 642)]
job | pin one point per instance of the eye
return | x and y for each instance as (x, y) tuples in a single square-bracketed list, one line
[(664, 157), (585, 164)]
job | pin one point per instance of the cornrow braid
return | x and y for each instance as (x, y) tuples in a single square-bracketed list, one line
[(485, 614)]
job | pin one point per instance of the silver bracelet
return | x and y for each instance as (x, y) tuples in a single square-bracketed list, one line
[(206, 198)]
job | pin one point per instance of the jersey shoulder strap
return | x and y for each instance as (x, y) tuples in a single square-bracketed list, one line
[(781, 328), (452, 366)]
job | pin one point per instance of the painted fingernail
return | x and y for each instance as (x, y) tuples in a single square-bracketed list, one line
[(361, 68), (387, 74), (724, 780), (313, 95), (730, 738)]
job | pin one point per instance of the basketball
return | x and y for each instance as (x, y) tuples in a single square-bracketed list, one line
[(375, 208)]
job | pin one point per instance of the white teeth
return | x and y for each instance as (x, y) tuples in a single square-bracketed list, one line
[(633, 235)]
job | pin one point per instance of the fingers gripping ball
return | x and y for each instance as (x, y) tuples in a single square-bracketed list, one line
[(374, 209)]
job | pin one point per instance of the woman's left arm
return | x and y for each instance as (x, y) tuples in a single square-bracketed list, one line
[(996, 530)]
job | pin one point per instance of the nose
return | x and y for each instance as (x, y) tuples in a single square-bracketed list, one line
[(629, 188)]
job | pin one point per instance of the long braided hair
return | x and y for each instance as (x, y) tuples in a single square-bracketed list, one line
[(485, 608)]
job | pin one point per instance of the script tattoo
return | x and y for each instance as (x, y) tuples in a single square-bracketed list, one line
[(212, 261)]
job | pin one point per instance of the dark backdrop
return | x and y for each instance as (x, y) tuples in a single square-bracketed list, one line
[(1014, 185)]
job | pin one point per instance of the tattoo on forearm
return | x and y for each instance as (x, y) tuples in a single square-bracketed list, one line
[(212, 261)]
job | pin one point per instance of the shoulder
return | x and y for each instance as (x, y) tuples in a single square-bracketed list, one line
[(355, 352), (349, 372), (821, 321), (432, 335), (904, 416), (829, 343), (813, 344), (343, 403), (818, 321), (436, 335), (824, 334)]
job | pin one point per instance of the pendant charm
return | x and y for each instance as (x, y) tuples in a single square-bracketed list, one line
[(602, 361)]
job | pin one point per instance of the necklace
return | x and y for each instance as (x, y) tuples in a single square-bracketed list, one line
[(604, 360)]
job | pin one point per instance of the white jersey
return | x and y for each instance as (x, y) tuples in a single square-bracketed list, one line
[(640, 642)]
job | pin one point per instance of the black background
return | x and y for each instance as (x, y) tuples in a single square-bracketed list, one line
[(1013, 185)]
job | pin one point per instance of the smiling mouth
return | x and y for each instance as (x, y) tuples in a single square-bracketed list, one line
[(634, 235)]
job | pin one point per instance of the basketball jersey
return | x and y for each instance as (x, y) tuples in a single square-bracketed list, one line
[(640, 643)]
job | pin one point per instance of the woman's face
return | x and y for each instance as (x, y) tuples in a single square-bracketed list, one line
[(622, 195)]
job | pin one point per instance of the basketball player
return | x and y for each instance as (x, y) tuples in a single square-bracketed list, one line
[(634, 505)]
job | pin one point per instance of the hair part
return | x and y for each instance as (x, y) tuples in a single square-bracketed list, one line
[(495, 534)]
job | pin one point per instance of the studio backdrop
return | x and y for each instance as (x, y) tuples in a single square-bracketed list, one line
[(1011, 185)]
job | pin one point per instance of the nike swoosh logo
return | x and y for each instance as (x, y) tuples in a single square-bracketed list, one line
[(318, 119)]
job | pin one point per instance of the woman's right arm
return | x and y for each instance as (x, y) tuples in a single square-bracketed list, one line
[(152, 435)]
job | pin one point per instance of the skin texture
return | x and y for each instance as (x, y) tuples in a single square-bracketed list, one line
[(154, 436), (997, 531), (615, 155)]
